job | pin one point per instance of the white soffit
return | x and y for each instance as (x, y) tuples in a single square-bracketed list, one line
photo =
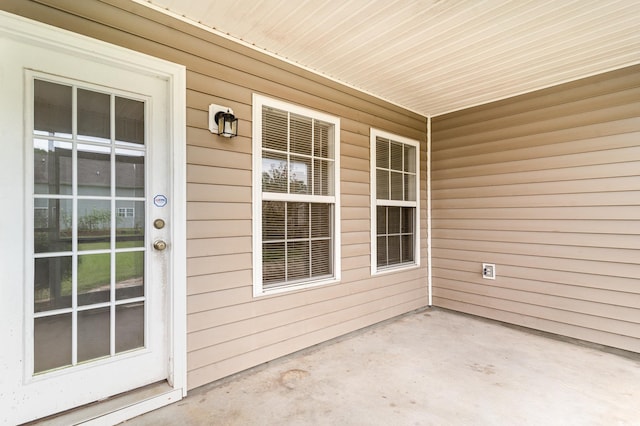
[(432, 56)]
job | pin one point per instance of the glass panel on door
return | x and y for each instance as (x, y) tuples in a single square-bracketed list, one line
[(89, 225)]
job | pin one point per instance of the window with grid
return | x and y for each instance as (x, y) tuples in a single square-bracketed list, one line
[(394, 201), (295, 200), (126, 212)]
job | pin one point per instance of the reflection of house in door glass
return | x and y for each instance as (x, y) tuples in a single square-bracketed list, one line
[(53, 175)]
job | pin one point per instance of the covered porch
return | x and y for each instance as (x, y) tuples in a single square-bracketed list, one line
[(428, 367)]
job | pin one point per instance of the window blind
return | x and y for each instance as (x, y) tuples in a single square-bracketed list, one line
[(395, 202), (298, 204)]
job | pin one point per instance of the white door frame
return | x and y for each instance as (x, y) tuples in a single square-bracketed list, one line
[(13, 188)]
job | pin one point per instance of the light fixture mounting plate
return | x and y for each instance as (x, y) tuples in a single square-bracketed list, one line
[(213, 110)]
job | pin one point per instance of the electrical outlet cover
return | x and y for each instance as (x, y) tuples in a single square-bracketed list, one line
[(489, 271)]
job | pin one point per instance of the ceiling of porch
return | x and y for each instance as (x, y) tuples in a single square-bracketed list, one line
[(431, 56)]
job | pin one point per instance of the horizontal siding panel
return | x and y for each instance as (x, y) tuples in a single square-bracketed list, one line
[(609, 339), (207, 283), (354, 134), (203, 138), (578, 279), (355, 151), (563, 305), (357, 140), (610, 198), (218, 228), (356, 201), (208, 85), (218, 193), (621, 169), (570, 188), (473, 281), (356, 275), (228, 297), (354, 213), (218, 211), (630, 213), (354, 163), (218, 158), (616, 269), (598, 144), (204, 247), (537, 140), (360, 225), (617, 255), (354, 188), (303, 299), (355, 250), (621, 241), (360, 176), (355, 262), (355, 237), (558, 225), (589, 321), (558, 122), (570, 111), (351, 128), (608, 157), (216, 264), (230, 331), (201, 101), (218, 175)]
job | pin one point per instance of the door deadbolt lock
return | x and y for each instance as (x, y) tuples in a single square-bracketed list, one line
[(158, 223), (159, 245)]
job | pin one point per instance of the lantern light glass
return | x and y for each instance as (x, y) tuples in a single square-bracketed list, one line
[(222, 121)]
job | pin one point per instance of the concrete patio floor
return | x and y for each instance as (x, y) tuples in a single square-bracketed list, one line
[(433, 367)]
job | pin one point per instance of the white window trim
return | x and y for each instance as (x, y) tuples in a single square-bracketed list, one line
[(258, 102), (374, 134)]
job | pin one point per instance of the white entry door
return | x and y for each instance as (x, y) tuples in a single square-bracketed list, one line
[(86, 252)]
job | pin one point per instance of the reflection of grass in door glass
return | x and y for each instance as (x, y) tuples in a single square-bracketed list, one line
[(96, 269), (94, 272), (129, 265)]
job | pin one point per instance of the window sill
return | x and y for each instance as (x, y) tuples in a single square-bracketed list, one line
[(290, 288), (396, 268)]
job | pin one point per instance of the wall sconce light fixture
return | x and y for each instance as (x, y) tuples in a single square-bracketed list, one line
[(222, 121)]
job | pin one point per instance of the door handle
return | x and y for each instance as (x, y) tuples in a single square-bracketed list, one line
[(159, 245)]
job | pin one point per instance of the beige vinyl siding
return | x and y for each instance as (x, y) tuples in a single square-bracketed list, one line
[(228, 329), (547, 187)]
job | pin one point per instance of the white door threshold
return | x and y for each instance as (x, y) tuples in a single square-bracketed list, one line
[(117, 409)]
